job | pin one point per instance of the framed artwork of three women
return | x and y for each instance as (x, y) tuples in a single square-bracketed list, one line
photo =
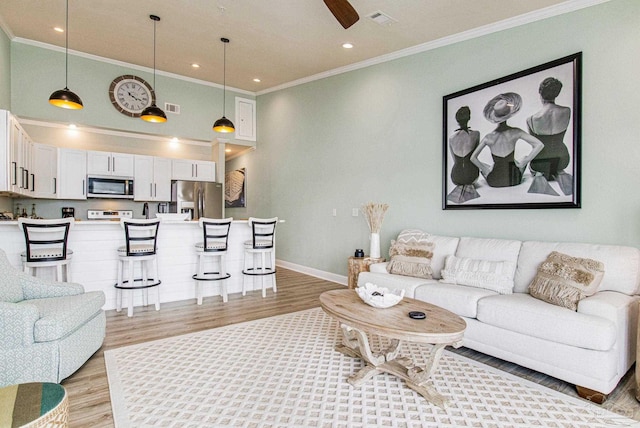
[(514, 142)]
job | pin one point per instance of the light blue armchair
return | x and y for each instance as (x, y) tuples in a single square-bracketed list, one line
[(48, 329)]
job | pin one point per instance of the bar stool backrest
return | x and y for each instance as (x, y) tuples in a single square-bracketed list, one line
[(263, 232), (46, 240), (215, 233), (141, 236)]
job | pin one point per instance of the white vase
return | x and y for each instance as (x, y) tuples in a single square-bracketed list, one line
[(374, 249)]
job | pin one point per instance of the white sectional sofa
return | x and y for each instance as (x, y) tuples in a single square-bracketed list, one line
[(592, 347)]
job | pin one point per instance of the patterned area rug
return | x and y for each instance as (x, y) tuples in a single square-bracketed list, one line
[(284, 372)]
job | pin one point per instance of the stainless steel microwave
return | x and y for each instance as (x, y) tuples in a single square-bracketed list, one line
[(109, 187)]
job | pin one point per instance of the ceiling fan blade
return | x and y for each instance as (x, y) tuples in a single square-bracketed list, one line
[(343, 11)]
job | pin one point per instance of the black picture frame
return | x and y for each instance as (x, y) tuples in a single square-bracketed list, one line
[(498, 122)]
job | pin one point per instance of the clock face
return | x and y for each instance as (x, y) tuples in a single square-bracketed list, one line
[(131, 94)]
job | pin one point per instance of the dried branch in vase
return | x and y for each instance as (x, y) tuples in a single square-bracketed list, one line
[(374, 214)]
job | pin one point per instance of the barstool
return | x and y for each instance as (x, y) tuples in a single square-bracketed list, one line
[(46, 245), (262, 243), (215, 241), (140, 246)]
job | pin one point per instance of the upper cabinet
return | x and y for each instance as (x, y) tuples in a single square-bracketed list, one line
[(16, 174), (44, 164), (245, 119), (182, 169), (107, 163), (152, 179), (72, 174)]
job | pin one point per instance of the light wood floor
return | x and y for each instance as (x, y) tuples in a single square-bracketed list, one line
[(90, 405), (89, 391)]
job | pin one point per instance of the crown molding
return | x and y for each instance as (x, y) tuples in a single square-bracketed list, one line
[(527, 18), (126, 64)]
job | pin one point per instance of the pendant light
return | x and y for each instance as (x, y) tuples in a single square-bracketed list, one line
[(64, 97), (154, 113), (223, 124)]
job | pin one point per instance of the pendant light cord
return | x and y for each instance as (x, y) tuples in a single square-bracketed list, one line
[(224, 78), (66, 49), (154, 53)]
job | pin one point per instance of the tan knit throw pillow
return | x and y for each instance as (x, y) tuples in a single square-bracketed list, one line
[(564, 280), (411, 259)]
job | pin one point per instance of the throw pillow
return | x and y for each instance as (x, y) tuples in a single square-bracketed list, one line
[(491, 275), (413, 236), (411, 259), (564, 280)]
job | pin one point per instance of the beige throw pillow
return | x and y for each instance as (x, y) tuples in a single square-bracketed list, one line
[(564, 280), (411, 259)]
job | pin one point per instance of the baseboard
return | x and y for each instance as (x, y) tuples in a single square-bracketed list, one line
[(340, 279)]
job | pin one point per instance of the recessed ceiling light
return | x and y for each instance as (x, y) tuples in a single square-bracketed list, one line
[(347, 45), (256, 80), (72, 126), (58, 29), (194, 65), (227, 150)]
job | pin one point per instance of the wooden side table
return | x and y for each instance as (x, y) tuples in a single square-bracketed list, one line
[(357, 265)]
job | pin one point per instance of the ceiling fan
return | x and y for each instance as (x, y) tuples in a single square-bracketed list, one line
[(343, 11)]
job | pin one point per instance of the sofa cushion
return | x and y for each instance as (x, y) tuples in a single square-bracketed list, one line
[(411, 259), (394, 282), (489, 249), (564, 280), (524, 314), (622, 263), (491, 275), (444, 246), (459, 299), (10, 289), (60, 316)]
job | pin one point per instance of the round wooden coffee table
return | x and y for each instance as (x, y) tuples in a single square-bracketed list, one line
[(440, 328), (34, 405)]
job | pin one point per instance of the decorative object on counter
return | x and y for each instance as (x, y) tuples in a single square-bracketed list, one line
[(46, 245), (263, 244), (379, 297), (154, 113), (68, 212), (141, 237), (64, 97), (359, 253), (374, 215), (223, 124), (215, 234)]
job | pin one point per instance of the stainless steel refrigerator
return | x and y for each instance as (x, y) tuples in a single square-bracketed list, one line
[(199, 198)]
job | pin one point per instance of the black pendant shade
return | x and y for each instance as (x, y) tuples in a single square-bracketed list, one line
[(223, 124), (64, 97), (153, 113)]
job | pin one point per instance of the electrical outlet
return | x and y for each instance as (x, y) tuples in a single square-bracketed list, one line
[(354, 212)]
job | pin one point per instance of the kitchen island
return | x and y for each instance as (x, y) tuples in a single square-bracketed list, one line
[(95, 257)]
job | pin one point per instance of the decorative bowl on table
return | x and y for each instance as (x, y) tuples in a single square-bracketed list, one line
[(379, 297)]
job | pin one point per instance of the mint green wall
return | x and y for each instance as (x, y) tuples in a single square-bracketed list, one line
[(37, 72), (375, 134), (5, 71)]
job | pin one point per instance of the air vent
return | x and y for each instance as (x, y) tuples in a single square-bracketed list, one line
[(381, 18), (172, 108)]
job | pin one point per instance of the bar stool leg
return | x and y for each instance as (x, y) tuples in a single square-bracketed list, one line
[(156, 278), (200, 275), (67, 269), (263, 269), (223, 283), (244, 277), (145, 280), (131, 284), (119, 290)]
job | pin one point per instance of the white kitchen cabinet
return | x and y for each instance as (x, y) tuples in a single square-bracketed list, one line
[(152, 178), (182, 169), (44, 164), (108, 163), (72, 174)]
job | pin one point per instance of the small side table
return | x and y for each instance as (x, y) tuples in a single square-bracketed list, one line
[(34, 405), (357, 265)]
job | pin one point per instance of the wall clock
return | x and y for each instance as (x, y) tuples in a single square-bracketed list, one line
[(131, 94)]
